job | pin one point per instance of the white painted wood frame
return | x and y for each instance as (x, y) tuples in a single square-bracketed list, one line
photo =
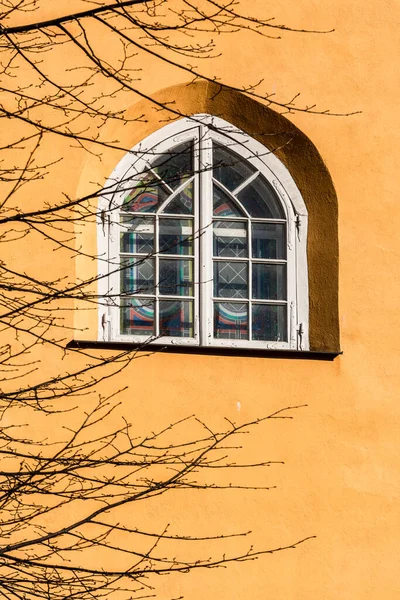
[(203, 130)]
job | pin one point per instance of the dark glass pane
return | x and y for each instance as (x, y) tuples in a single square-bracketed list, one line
[(269, 282), (230, 239), (268, 240), (176, 165), (230, 279), (137, 235), (231, 320), (182, 203), (145, 196), (137, 316), (137, 276), (229, 168), (176, 318), (176, 236), (269, 323), (260, 200), (176, 277), (223, 206)]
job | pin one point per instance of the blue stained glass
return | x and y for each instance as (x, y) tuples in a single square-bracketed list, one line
[(176, 236), (137, 276), (269, 240), (137, 236), (269, 281), (176, 277), (182, 203), (230, 279), (223, 205), (230, 239), (269, 323), (176, 165), (137, 316), (145, 196), (176, 318), (230, 168), (231, 320), (260, 199)]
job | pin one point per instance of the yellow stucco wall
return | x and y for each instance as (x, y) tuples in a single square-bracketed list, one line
[(340, 478), (287, 142)]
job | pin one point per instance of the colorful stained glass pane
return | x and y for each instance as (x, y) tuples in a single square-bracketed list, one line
[(145, 196), (176, 165), (230, 279), (230, 239), (176, 236), (269, 323), (137, 276), (182, 203), (269, 281), (229, 168), (137, 235), (268, 240), (176, 318), (260, 200), (223, 205), (137, 316), (176, 277), (231, 320)]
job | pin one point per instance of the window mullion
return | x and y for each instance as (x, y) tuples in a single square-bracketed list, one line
[(197, 242), (250, 279), (205, 236), (156, 277)]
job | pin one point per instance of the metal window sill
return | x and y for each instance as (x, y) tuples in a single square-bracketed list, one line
[(204, 350)]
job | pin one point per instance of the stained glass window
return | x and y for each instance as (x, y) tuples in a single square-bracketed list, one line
[(205, 247), (167, 238), (240, 195)]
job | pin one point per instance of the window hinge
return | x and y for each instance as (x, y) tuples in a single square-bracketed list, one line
[(300, 333), (103, 221), (104, 320), (298, 226)]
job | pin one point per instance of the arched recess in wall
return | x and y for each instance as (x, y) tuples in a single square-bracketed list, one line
[(293, 149)]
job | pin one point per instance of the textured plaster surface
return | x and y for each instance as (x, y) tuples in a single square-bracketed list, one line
[(340, 478)]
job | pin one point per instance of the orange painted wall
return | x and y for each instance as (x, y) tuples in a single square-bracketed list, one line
[(340, 478)]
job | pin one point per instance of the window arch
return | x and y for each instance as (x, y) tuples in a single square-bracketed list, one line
[(205, 243)]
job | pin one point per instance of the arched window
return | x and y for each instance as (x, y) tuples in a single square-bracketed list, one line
[(205, 243)]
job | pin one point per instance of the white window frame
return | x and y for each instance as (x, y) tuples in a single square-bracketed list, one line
[(203, 129)]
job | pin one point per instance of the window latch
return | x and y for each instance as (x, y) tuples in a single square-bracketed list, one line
[(298, 226)]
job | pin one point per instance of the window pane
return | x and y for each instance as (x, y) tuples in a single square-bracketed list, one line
[(137, 316), (223, 205), (176, 277), (268, 240), (269, 282), (269, 323), (230, 238), (182, 203), (145, 196), (230, 279), (231, 320), (260, 200), (175, 165), (137, 276), (137, 235), (176, 318), (229, 168), (176, 236)]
